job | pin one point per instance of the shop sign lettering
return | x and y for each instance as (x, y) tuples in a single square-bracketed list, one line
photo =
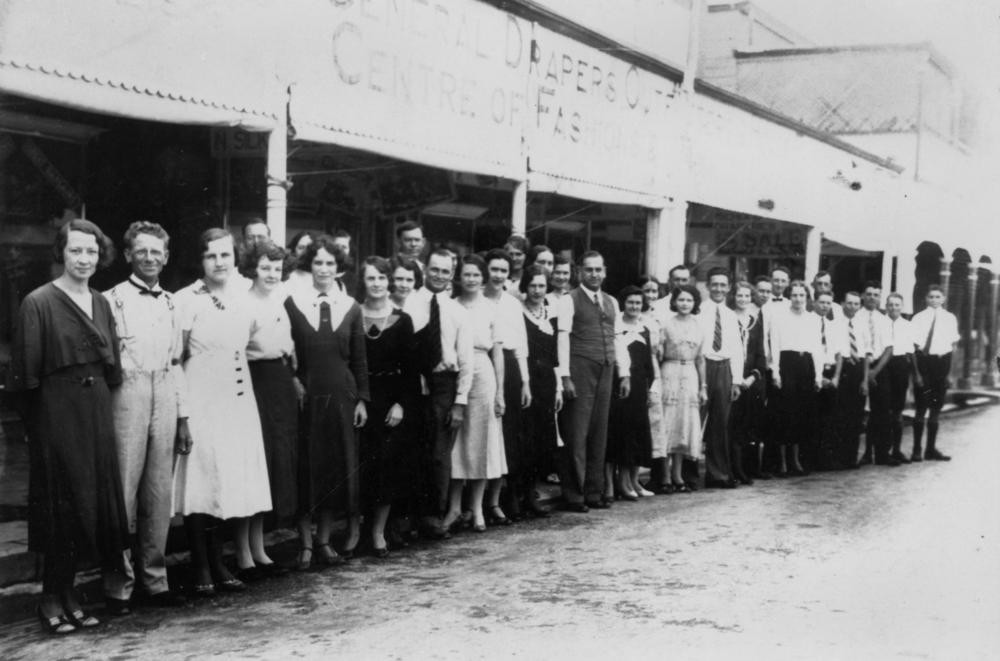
[(595, 117), (443, 75), (237, 143), (759, 240)]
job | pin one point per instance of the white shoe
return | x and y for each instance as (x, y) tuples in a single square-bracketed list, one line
[(644, 492)]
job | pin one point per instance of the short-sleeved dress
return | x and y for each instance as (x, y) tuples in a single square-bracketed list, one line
[(389, 454), (478, 453), (682, 340), (64, 362), (630, 440), (332, 366), (225, 475)]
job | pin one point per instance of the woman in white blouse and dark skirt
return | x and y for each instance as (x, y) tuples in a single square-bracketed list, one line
[(797, 366)]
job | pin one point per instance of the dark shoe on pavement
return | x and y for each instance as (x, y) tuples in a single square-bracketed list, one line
[(599, 504), (580, 508), (431, 528), (936, 455), (900, 457), (117, 607)]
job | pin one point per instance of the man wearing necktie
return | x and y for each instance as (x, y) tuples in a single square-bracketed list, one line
[(853, 386), (150, 424), (877, 441), (723, 375), (935, 332), (447, 354), (833, 340), (588, 353), (901, 366)]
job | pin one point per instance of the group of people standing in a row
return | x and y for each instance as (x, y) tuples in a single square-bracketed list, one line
[(418, 397)]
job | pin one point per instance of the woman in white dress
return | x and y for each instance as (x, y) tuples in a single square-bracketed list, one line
[(478, 453), (223, 475)]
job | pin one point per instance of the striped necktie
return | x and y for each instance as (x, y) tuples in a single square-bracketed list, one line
[(853, 339), (717, 338)]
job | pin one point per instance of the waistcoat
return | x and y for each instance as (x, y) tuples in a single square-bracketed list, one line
[(593, 332)]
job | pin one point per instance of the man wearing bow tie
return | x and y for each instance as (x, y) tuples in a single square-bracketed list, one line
[(150, 425)]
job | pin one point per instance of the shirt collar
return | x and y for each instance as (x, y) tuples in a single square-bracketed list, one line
[(142, 285)]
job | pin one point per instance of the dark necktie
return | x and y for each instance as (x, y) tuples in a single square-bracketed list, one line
[(853, 339), (930, 334), (324, 315), (822, 331), (433, 358), (829, 315), (717, 338)]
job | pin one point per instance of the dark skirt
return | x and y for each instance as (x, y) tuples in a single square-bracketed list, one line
[(513, 430), (540, 424), (630, 437), (278, 406), (797, 398), (389, 456), (328, 455), (75, 495)]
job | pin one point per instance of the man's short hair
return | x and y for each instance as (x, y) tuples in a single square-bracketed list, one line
[(852, 293), (896, 294), (719, 270), (872, 284), (762, 278), (408, 226), (256, 220), (679, 267), (935, 287), (783, 269), (824, 293), (820, 274), (588, 255), (146, 227), (518, 242)]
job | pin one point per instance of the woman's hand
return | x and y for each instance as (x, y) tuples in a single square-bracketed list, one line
[(525, 395), (499, 406), (558, 401), (394, 416), (300, 391), (360, 414), (702, 395)]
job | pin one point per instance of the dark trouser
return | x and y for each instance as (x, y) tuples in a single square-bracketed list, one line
[(438, 442), (899, 382), (719, 379), (851, 405), (513, 433), (745, 430), (877, 433), (583, 422), (934, 371), (828, 454)]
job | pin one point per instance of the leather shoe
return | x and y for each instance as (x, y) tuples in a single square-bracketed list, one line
[(580, 508), (720, 484), (165, 599), (599, 505), (887, 461), (936, 455), (900, 457), (916, 458)]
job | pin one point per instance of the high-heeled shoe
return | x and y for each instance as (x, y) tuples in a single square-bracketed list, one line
[(305, 560), (329, 557), (59, 625), (496, 517), (77, 617)]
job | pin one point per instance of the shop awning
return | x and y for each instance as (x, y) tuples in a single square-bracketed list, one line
[(182, 62)]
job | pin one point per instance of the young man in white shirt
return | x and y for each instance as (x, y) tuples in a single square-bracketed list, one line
[(935, 332), (853, 386), (877, 442), (724, 358), (901, 368), (833, 339)]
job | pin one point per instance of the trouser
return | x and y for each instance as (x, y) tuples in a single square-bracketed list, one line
[(899, 382), (828, 453), (438, 441), (877, 432), (934, 371), (584, 428), (145, 418), (719, 379), (745, 426), (851, 405), (513, 434)]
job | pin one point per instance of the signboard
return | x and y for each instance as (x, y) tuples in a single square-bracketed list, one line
[(597, 123), (237, 143), (440, 83), (759, 239)]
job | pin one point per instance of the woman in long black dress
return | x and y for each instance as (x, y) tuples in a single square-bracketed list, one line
[(388, 442), (65, 358), (630, 441), (540, 418), (332, 371)]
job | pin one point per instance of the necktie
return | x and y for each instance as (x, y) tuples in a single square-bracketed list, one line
[(829, 315), (743, 334), (433, 357), (145, 291), (853, 339), (717, 338), (930, 334), (822, 332), (871, 327), (324, 315)]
